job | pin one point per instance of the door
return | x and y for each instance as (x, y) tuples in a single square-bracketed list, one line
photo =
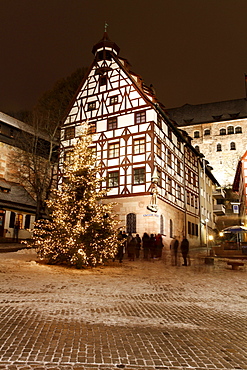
[(2, 218)]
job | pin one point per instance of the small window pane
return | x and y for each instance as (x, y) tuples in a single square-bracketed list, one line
[(139, 146), (139, 175), (112, 123), (140, 117), (113, 179)]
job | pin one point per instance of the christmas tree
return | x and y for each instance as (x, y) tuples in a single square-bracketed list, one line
[(83, 229)]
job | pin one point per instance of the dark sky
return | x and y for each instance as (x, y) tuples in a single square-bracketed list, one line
[(192, 51)]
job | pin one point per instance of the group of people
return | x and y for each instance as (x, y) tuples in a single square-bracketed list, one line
[(152, 246), (184, 247)]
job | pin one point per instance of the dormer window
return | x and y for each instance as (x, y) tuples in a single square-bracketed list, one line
[(102, 80), (91, 106), (113, 99)]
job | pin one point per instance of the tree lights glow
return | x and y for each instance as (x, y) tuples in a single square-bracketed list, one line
[(83, 229)]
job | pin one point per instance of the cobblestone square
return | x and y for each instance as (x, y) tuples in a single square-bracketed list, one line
[(135, 315)]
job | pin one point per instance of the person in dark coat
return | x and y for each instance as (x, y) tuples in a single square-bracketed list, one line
[(159, 245), (174, 251), (120, 252), (145, 245), (131, 247), (138, 245), (185, 250), (152, 246)]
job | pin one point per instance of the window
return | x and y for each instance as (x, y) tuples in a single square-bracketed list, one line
[(69, 133), (169, 133), (27, 222), (131, 223), (113, 150), (222, 131), (139, 175), (12, 220), (92, 128), (140, 117), (102, 80), (179, 192), (189, 227), (238, 130), (159, 121), (232, 146), (169, 185), (207, 131), (112, 123), (230, 130), (178, 167), (196, 134), (169, 158), (158, 148), (188, 198), (218, 148), (91, 105), (159, 173), (139, 146), (161, 224), (113, 99), (113, 179), (68, 156), (171, 229)]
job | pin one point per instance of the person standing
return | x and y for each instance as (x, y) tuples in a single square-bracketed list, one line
[(16, 231), (138, 245), (174, 251), (185, 250), (159, 246), (145, 245), (152, 247)]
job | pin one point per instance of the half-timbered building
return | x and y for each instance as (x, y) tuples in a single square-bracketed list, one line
[(150, 167)]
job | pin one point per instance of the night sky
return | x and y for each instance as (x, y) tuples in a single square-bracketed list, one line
[(192, 51)]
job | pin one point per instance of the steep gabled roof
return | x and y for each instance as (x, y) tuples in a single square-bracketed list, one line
[(211, 112)]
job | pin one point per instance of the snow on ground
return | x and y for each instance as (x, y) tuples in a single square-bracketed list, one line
[(97, 295)]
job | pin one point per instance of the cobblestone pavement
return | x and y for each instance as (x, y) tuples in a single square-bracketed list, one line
[(134, 315)]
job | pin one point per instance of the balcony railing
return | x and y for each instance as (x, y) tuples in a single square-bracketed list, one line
[(219, 209)]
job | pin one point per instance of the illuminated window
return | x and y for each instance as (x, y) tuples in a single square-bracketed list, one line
[(92, 128), (139, 175), (91, 105), (68, 156), (113, 150), (230, 130), (139, 146), (140, 117), (112, 123), (113, 99), (69, 133), (113, 179)]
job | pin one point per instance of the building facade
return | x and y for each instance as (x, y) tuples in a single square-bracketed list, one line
[(240, 186), (219, 131), (16, 204), (151, 170)]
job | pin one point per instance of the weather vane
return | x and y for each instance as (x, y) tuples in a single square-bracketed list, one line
[(106, 25)]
